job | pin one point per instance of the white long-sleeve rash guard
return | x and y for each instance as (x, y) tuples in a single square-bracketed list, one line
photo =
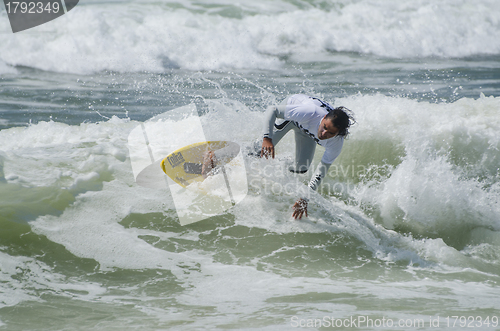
[(306, 113)]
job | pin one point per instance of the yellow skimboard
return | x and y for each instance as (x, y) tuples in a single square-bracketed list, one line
[(184, 165)]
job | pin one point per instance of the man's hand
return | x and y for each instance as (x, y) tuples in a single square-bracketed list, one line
[(299, 208), (267, 148)]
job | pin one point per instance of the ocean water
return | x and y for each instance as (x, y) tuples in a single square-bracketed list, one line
[(403, 234)]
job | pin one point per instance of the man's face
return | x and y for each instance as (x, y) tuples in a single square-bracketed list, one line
[(326, 129)]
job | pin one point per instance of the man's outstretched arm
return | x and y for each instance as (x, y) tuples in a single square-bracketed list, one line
[(270, 116), (300, 206)]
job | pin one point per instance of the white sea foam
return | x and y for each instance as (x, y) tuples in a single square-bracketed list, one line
[(448, 176), (153, 37), (24, 278), (6, 69)]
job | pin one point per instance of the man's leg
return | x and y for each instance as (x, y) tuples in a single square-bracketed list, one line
[(305, 147)]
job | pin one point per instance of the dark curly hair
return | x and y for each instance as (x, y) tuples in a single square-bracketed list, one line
[(342, 118)]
